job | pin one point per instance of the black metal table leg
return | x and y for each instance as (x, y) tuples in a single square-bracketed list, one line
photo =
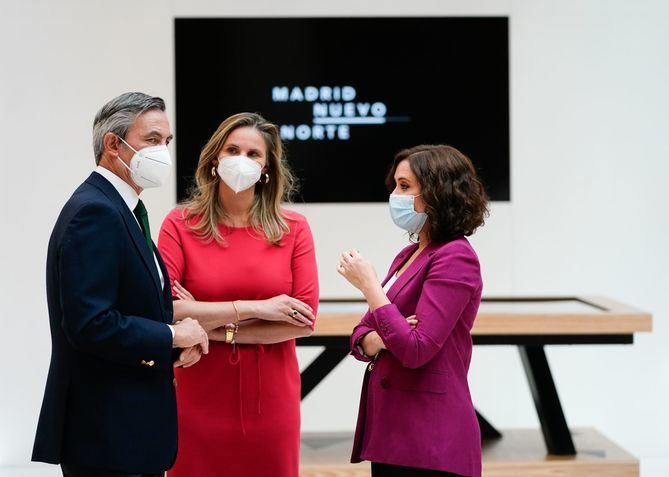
[(488, 431), (321, 367), (553, 423)]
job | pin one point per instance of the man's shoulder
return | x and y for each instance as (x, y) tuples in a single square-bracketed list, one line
[(88, 204), (88, 197)]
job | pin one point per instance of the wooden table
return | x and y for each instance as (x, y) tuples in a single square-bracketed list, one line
[(527, 322)]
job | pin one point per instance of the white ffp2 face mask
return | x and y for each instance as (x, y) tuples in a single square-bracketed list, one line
[(239, 172), (150, 166)]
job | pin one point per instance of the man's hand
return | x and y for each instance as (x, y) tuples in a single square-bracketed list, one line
[(188, 333), (189, 357)]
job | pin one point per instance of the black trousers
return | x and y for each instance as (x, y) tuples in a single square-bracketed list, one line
[(76, 471), (387, 470)]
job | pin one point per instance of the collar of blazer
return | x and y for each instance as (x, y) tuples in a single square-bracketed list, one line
[(131, 225), (419, 262)]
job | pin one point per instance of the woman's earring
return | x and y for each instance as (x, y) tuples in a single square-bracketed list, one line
[(213, 171), (266, 181)]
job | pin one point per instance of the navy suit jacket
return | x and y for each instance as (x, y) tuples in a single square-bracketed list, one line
[(110, 400)]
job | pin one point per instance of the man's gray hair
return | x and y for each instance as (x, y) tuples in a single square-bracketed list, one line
[(118, 115)]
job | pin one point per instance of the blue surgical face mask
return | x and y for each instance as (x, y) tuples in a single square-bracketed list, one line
[(404, 215)]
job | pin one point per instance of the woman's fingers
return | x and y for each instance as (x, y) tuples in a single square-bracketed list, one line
[(194, 358), (300, 318), (188, 357), (302, 309), (296, 312), (181, 292), (297, 317), (290, 310), (204, 344), (413, 321)]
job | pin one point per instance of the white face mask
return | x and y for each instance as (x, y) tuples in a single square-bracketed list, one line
[(239, 172), (150, 166), (404, 214)]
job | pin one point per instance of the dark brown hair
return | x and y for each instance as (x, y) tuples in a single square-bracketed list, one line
[(456, 202)]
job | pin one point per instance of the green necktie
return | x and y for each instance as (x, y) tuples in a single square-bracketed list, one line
[(143, 219)]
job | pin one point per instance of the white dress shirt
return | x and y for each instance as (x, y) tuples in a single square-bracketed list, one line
[(131, 200)]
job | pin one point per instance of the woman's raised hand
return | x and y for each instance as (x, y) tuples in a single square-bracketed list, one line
[(357, 270), (285, 308)]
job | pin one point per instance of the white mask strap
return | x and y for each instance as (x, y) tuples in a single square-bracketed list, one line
[(135, 150)]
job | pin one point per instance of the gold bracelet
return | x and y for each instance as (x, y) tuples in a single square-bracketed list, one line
[(232, 328)]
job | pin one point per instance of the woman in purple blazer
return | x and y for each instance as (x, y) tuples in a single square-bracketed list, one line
[(416, 415)]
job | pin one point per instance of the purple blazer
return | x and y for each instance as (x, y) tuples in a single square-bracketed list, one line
[(415, 407)]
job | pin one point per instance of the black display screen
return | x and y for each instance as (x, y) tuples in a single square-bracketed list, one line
[(348, 94)]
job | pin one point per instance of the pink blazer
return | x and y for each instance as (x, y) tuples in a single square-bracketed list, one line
[(415, 407)]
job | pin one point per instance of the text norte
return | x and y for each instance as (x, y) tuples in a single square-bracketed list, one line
[(333, 111)]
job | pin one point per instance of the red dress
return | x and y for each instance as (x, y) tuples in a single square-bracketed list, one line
[(239, 415)]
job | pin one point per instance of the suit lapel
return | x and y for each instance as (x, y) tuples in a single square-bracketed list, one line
[(399, 261), (167, 289), (419, 262), (131, 226)]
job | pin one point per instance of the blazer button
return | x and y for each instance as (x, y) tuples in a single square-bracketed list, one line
[(385, 382)]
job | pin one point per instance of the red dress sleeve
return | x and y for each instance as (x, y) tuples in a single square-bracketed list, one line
[(171, 248), (303, 264)]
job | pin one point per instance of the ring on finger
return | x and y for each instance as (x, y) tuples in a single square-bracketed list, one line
[(294, 313)]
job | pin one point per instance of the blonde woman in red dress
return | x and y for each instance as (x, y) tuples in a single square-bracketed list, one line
[(245, 268)]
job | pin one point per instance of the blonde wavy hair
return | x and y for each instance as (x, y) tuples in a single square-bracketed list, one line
[(266, 216)]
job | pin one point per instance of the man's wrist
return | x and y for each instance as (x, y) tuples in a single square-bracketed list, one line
[(174, 334)]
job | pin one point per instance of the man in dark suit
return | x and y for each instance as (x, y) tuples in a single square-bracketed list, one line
[(109, 407)]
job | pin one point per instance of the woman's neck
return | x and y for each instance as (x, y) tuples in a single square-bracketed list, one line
[(237, 206), (423, 238)]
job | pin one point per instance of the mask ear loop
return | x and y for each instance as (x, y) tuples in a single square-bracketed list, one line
[(414, 237), (133, 149), (121, 159)]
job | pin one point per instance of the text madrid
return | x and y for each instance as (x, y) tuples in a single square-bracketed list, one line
[(333, 110)]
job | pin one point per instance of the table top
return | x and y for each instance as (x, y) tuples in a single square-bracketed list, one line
[(517, 316)]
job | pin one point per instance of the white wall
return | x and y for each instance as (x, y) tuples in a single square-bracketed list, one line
[(590, 142)]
